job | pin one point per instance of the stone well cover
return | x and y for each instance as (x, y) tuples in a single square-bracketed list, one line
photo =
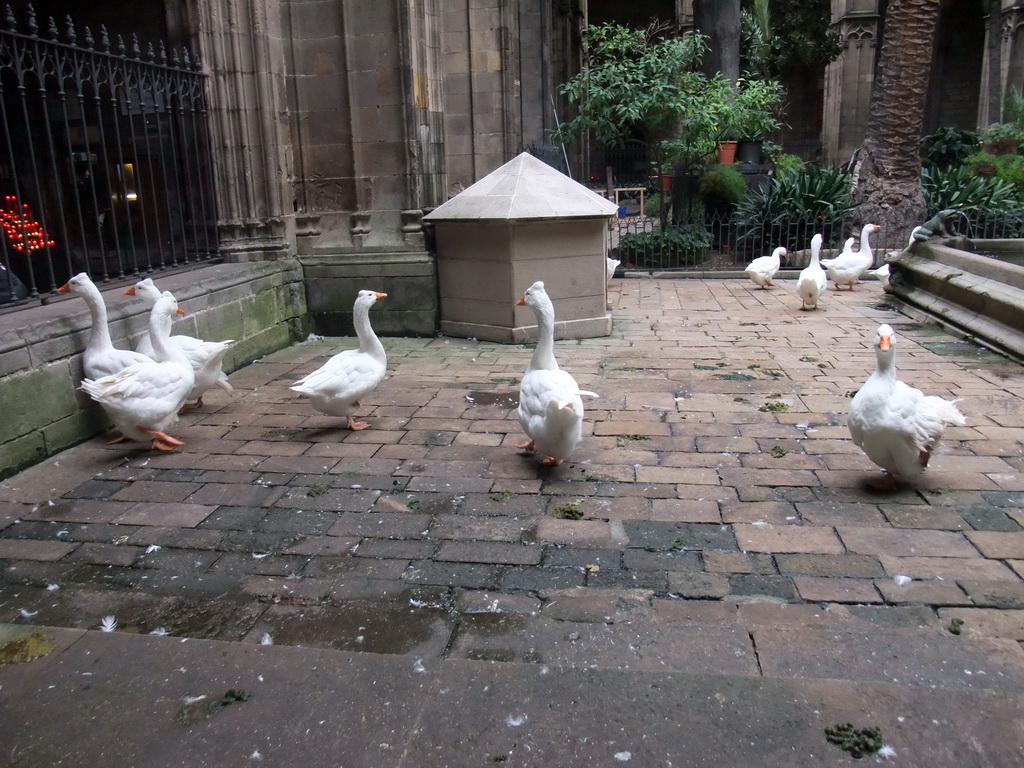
[(523, 188)]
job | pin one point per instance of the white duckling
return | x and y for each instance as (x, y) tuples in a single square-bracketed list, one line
[(550, 404), (101, 357), (762, 269), (339, 384), (897, 426), (848, 266), (144, 398), (811, 283), (205, 357)]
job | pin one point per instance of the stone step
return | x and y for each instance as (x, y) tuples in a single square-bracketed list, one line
[(586, 628), (117, 698)]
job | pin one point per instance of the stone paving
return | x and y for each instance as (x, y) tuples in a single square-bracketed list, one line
[(716, 517)]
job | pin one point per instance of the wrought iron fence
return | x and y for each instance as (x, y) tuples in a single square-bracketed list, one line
[(719, 242), (105, 160)]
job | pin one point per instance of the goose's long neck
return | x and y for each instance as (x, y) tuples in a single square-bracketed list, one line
[(159, 336), (99, 337), (865, 242), (368, 341), (544, 353), (885, 370)]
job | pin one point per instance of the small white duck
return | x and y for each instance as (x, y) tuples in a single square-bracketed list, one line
[(897, 426), (613, 264), (338, 385), (550, 404), (101, 357), (812, 282), (144, 398), (762, 269), (848, 266), (205, 357)]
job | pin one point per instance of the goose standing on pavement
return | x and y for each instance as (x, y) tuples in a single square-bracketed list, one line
[(896, 425), (762, 269), (337, 387), (144, 399), (101, 357), (812, 280), (550, 400), (206, 357), (848, 266)]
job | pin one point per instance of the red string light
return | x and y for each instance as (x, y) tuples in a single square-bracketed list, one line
[(21, 228)]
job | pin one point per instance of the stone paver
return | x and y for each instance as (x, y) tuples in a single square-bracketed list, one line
[(716, 479)]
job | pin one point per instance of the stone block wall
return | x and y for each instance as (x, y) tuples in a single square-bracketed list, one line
[(261, 305)]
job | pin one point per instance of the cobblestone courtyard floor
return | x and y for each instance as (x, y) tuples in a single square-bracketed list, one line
[(715, 519)]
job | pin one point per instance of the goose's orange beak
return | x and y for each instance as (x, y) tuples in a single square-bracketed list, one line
[(381, 295), (130, 291), (521, 302), (885, 343), (64, 288), (181, 311)]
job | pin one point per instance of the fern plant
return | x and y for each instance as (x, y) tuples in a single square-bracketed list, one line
[(795, 205)]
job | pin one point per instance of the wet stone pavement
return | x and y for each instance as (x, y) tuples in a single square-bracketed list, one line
[(715, 519)]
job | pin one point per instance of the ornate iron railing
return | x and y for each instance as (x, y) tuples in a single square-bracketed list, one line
[(105, 160)]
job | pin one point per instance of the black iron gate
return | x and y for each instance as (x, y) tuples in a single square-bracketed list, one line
[(105, 160)]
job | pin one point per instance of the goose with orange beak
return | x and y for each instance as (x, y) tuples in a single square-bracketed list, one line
[(896, 425)]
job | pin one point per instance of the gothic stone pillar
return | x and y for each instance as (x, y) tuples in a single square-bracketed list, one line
[(243, 53)]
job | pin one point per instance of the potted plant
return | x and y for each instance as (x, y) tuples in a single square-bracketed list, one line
[(981, 164), (1001, 139), (754, 115)]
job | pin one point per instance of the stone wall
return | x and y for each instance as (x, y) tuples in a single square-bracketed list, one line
[(260, 305)]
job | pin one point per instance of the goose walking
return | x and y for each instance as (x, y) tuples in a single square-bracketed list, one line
[(339, 384), (205, 357), (144, 399), (101, 357), (896, 425), (811, 283), (550, 400), (762, 269), (848, 266)]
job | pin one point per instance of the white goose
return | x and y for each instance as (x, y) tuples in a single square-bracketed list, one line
[(550, 404), (612, 265), (338, 385), (144, 399), (812, 280), (882, 273), (762, 269), (101, 357), (205, 357), (897, 426), (848, 266)]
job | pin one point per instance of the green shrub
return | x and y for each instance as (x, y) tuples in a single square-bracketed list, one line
[(682, 246), (721, 187), (948, 147), (793, 206), (1008, 168), (786, 163), (993, 205)]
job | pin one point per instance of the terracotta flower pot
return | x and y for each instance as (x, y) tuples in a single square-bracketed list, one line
[(726, 152)]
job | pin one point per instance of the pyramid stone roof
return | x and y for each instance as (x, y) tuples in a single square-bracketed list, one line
[(523, 188)]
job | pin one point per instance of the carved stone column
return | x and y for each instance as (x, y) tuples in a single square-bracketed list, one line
[(848, 82), (243, 53)]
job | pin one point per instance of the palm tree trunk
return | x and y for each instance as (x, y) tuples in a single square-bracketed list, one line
[(888, 181)]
